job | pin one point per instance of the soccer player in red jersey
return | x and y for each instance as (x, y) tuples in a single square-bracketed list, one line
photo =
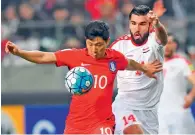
[(90, 113)]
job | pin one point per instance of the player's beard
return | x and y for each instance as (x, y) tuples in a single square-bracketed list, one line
[(141, 40), (169, 55)]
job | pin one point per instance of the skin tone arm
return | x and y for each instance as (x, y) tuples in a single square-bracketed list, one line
[(190, 97), (149, 69), (161, 33), (32, 56)]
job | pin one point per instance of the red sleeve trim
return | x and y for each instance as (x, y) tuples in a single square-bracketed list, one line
[(58, 63), (124, 37)]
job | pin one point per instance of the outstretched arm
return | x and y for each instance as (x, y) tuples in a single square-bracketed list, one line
[(149, 69), (32, 56)]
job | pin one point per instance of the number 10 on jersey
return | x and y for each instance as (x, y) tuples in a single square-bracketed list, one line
[(100, 81)]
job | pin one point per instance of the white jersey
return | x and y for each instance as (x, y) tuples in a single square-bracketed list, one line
[(176, 71), (135, 89)]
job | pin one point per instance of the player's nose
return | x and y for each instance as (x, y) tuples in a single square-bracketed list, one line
[(137, 28), (94, 49)]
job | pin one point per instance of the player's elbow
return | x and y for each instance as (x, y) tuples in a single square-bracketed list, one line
[(39, 61), (47, 58), (164, 41)]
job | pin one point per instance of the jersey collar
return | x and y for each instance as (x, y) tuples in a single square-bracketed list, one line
[(108, 54)]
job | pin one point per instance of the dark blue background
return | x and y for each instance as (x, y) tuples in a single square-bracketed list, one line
[(56, 114)]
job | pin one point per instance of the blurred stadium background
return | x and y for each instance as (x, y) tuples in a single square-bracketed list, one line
[(34, 99)]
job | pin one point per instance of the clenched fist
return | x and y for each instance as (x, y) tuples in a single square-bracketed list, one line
[(11, 48), (153, 18)]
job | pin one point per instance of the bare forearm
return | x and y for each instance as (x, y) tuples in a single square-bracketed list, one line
[(33, 56), (191, 78), (133, 65), (161, 33), (192, 92)]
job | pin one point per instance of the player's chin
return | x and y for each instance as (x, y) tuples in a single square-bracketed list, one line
[(168, 54), (138, 41), (95, 56)]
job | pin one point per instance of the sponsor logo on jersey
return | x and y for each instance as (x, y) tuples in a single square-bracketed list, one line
[(112, 66), (83, 64), (129, 55), (145, 50)]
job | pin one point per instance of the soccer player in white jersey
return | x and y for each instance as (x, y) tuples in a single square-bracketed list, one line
[(175, 117), (135, 106)]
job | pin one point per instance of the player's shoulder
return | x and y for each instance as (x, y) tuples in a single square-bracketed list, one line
[(180, 58), (114, 53), (74, 50), (123, 38)]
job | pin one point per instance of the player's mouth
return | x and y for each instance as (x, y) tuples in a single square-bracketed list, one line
[(95, 55), (137, 36)]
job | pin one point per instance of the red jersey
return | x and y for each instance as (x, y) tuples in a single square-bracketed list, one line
[(94, 107)]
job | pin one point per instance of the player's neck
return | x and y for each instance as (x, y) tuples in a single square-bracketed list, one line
[(169, 57), (101, 56)]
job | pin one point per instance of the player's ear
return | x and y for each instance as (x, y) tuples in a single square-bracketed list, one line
[(87, 41), (151, 27), (108, 42)]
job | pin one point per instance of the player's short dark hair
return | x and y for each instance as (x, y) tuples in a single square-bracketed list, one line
[(139, 10), (97, 29), (174, 39)]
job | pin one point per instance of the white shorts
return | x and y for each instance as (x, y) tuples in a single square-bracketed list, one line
[(176, 123), (125, 117)]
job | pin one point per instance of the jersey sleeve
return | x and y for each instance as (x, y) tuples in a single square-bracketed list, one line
[(65, 57), (188, 68), (121, 60), (118, 43), (115, 45)]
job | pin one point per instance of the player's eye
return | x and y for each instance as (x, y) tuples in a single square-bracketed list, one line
[(144, 23), (100, 44), (133, 23)]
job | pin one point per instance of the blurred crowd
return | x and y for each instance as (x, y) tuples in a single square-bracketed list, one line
[(50, 25)]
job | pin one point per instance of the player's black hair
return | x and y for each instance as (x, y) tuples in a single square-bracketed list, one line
[(139, 10), (174, 39), (97, 29)]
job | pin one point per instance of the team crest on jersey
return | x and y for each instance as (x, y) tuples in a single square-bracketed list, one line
[(112, 66)]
